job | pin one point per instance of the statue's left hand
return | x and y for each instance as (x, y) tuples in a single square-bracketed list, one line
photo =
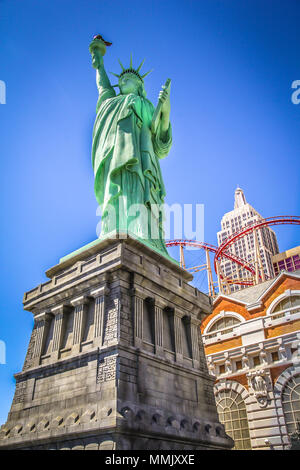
[(164, 97)]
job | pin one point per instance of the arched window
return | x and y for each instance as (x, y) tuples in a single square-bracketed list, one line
[(290, 399), (232, 413), (223, 323), (288, 303)]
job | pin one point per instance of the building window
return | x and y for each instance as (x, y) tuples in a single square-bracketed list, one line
[(222, 369), (275, 356), (238, 365), (256, 361), (232, 413), (224, 323), (289, 303), (291, 403)]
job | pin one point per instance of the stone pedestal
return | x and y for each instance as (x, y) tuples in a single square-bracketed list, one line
[(115, 359)]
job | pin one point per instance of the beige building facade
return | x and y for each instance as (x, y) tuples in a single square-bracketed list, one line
[(240, 217)]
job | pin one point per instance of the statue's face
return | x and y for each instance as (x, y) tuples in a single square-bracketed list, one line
[(128, 83)]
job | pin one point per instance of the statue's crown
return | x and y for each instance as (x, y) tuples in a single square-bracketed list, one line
[(130, 69)]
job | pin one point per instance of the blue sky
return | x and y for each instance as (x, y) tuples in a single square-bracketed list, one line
[(232, 64)]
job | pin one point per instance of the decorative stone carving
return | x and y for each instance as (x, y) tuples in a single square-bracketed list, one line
[(4, 432), (127, 412), (245, 362), (30, 427), (196, 426), (263, 357), (87, 416), (20, 392), (259, 385), (43, 424), (57, 422), (228, 366), (156, 418), (172, 421), (72, 419), (107, 367), (17, 429), (211, 366)]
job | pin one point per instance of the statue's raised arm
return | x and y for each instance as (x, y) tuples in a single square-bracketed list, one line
[(126, 151), (98, 49)]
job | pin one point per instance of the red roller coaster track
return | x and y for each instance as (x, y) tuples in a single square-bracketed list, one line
[(279, 220), (221, 251), (214, 249)]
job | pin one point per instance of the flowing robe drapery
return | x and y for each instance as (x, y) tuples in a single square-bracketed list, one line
[(125, 157)]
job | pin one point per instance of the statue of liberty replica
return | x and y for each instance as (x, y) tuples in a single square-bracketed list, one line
[(130, 137), (115, 359)]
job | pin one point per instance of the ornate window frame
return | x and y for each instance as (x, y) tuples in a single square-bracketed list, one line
[(279, 386), (225, 385), (220, 315), (287, 293)]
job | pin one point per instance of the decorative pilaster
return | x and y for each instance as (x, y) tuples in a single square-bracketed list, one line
[(42, 327), (158, 327), (195, 325), (58, 331), (178, 336), (99, 296), (81, 306), (138, 313)]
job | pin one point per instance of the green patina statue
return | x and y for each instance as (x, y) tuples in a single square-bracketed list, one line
[(130, 136)]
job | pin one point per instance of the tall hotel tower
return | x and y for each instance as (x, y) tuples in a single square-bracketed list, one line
[(243, 215)]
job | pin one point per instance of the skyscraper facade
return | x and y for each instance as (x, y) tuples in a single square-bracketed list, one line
[(240, 217)]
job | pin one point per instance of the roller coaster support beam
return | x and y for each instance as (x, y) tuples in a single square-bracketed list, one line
[(182, 261), (211, 287)]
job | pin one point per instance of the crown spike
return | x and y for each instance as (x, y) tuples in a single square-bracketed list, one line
[(118, 76), (147, 73), (121, 65), (140, 66), (130, 66)]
